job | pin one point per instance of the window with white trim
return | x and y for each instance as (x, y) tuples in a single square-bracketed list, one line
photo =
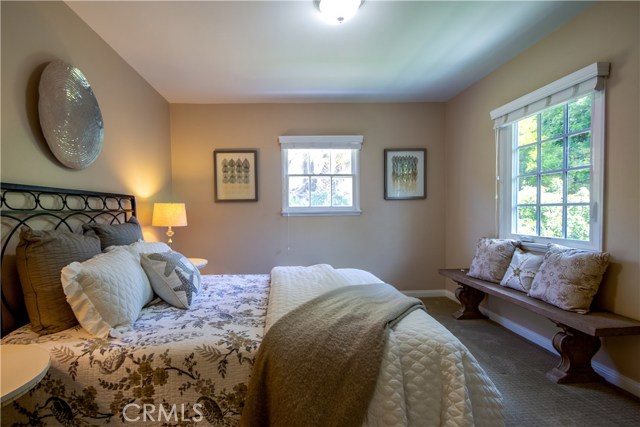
[(321, 174), (551, 162)]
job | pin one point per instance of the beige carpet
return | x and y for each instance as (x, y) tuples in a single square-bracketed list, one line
[(518, 367)]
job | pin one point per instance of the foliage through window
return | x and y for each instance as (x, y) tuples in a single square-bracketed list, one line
[(551, 162), (553, 173), (319, 179)]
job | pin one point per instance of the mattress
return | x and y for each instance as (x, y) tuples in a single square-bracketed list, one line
[(427, 378)]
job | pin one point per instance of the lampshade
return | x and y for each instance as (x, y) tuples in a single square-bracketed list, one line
[(338, 11), (169, 215)]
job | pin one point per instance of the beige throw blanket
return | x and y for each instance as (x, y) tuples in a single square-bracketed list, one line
[(318, 364)]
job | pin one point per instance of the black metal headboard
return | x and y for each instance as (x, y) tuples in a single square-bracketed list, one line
[(47, 208)]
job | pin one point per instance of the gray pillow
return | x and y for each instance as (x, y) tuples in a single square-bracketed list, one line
[(40, 257), (569, 278), (115, 234), (492, 259)]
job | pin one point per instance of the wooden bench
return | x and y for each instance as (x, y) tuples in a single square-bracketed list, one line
[(579, 339)]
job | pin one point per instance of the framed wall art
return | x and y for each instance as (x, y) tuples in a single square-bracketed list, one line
[(235, 175), (405, 174)]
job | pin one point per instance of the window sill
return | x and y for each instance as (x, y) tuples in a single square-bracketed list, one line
[(323, 213)]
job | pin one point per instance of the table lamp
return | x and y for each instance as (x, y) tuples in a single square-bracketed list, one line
[(169, 215)]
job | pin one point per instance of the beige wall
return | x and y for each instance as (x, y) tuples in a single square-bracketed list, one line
[(400, 241), (136, 156), (608, 31)]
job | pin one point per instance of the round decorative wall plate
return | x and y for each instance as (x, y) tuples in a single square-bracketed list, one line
[(70, 115)]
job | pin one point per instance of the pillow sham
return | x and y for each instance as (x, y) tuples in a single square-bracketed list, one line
[(107, 292), (142, 247), (173, 277), (492, 259), (521, 270), (40, 257), (115, 234), (569, 278)]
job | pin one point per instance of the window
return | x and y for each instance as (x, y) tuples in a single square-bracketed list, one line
[(320, 175), (550, 162)]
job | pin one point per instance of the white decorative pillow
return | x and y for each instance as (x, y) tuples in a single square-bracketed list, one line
[(492, 259), (142, 247), (521, 270), (107, 292), (173, 277), (569, 278)]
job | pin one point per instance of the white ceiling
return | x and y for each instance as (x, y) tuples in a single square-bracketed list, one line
[(281, 51)]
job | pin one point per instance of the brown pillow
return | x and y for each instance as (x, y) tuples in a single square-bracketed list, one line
[(115, 234), (40, 257)]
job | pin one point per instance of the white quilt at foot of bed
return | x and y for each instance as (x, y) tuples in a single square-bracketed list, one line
[(427, 376)]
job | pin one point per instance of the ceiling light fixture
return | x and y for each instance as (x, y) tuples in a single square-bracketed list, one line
[(338, 11)]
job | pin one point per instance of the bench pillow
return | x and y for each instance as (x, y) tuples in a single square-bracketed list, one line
[(115, 234), (492, 259), (569, 278), (521, 270)]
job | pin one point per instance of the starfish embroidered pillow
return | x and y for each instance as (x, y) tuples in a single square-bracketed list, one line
[(172, 276), (521, 270)]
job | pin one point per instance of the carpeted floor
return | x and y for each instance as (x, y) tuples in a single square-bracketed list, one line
[(517, 367)]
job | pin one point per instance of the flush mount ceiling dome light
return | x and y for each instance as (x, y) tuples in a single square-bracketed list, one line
[(338, 11)]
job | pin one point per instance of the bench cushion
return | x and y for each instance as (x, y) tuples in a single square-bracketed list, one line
[(569, 278), (492, 259)]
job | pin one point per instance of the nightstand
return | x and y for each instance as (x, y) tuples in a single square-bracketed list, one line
[(199, 262), (23, 366)]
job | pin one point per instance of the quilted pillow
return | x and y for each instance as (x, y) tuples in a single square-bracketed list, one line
[(143, 247), (492, 259), (40, 256), (521, 270), (115, 234), (173, 277), (569, 278), (107, 292)]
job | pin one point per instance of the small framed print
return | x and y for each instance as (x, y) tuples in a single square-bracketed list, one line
[(405, 174), (235, 175)]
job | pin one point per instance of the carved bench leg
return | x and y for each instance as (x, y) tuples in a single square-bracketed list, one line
[(470, 298), (576, 351)]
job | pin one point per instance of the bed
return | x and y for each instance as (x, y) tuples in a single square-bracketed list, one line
[(177, 366)]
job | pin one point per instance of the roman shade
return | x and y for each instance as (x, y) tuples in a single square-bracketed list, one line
[(335, 142), (581, 82)]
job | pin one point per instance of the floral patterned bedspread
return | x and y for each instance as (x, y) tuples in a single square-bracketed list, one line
[(178, 367)]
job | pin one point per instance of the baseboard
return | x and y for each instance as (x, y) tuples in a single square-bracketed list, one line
[(426, 294), (610, 375)]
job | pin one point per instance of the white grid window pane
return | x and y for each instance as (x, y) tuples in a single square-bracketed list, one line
[(299, 191), (319, 179), (552, 172)]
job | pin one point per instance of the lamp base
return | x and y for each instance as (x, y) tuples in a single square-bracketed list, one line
[(170, 234)]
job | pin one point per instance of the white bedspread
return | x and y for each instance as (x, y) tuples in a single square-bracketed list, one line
[(427, 377)]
